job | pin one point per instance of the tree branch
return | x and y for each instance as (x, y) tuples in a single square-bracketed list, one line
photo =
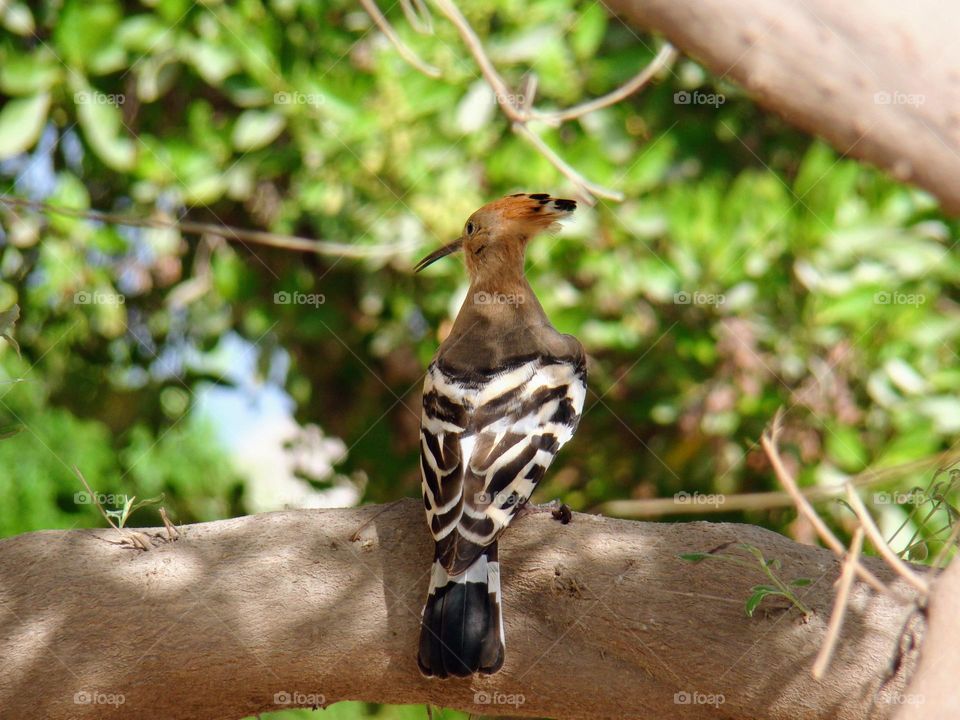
[(876, 79), (228, 232), (602, 620)]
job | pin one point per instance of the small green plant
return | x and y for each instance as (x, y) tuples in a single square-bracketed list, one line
[(934, 499), (130, 506), (768, 567), (132, 537)]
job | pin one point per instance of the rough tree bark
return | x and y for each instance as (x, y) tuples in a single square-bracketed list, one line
[(602, 620), (879, 80)]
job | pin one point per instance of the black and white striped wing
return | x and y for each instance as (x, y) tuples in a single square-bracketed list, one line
[(486, 441)]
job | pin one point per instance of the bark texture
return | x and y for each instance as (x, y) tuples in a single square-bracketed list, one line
[(879, 80), (602, 621)]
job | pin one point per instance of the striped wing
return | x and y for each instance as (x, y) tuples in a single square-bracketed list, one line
[(486, 441)]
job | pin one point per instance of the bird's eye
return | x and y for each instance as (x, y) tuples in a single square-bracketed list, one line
[(470, 228)]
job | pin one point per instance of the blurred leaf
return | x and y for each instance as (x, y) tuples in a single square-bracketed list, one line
[(21, 121), (102, 124), (256, 129), (17, 18), (29, 73), (8, 319), (588, 31)]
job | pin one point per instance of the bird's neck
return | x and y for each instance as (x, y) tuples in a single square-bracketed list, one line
[(499, 304)]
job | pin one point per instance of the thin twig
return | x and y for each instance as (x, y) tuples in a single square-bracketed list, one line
[(664, 59), (258, 237), (770, 500), (769, 442), (938, 561), (560, 164), (418, 15), (405, 52), (95, 499), (519, 113), (839, 605), (172, 532), (475, 46), (873, 532)]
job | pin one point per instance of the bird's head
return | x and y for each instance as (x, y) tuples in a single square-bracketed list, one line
[(495, 236)]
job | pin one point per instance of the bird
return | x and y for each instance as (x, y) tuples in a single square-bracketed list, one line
[(502, 395)]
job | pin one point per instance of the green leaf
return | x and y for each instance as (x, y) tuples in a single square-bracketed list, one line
[(588, 32), (102, 123), (21, 122), (8, 318), (18, 19), (694, 557), (29, 74), (759, 593), (801, 582), (256, 129), (84, 30), (845, 447)]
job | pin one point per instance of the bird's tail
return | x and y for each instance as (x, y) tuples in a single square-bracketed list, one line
[(461, 631)]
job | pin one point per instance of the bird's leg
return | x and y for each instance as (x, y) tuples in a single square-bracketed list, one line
[(560, 511)]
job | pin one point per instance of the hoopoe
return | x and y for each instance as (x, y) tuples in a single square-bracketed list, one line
[(503, 393)]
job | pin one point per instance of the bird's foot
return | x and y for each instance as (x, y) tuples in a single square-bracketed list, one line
[(560, 511)]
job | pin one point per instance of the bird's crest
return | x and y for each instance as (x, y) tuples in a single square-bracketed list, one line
[(521, 216), (539, 209)]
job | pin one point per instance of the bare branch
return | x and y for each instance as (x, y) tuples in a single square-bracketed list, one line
[(769, 442), (880, 544), (418, 15), (187, 227), (560, 164), (405, 52), (839, 605), (658, 507), (664, 59), (520, 114)]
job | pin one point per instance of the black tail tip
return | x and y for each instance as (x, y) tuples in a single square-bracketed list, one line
[(460, 634), (434, 667)]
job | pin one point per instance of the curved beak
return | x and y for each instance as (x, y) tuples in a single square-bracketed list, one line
[(437, 254)]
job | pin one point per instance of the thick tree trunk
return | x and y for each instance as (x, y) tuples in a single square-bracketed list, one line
[(879, 80), (602, 620)]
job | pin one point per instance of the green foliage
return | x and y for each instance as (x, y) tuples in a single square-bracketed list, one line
[(770, 568)]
